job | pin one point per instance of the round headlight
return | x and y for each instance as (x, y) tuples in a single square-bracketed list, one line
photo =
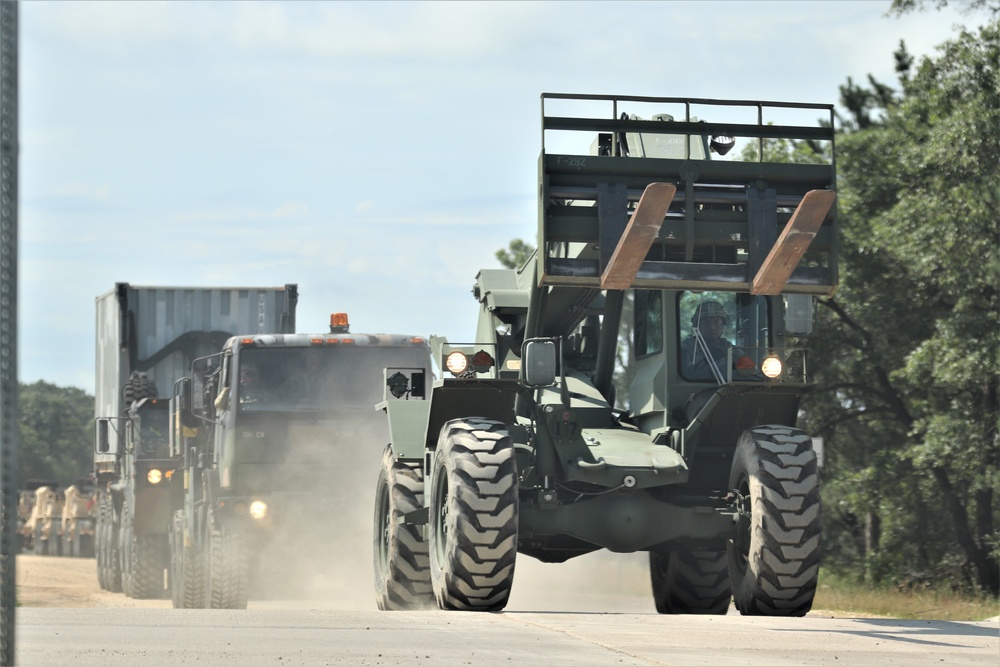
[(258, 509), (456, 363), (771, 367), (154, 476)]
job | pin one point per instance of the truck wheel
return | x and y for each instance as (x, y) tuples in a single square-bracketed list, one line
[(138, 387), (125, 551), (691, 581), (402, 564), (187, 585), (101, 548), (473, 516), (774, 558), (113, 559), (145, 566), (227, 572)]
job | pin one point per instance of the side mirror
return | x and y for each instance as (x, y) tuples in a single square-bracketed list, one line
[(103, 446), (799, 314), (539, 363)]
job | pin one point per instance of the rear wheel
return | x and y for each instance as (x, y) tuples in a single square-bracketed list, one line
[(402, 564), (473, 516), (690, 581), (227, 571), (774, 559)]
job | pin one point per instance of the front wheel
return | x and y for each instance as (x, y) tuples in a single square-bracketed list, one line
[(227, 567), (402, 564), (187, 581), (774, 558), (473, 516)]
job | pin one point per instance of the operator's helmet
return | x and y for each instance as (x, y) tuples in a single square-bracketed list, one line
[(709, 309)]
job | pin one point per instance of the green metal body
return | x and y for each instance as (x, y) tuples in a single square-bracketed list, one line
[(285, 447), (655, 476)]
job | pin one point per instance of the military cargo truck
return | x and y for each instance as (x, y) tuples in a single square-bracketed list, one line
[(147, 338), (525, 448), (266, 429), (44, 524), (79, 520)]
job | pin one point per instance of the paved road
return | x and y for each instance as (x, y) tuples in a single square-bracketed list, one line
[(274, 636)]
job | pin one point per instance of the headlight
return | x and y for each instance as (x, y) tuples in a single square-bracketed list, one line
[(258, 509), (456, 363), (154, 476), (771, 367)]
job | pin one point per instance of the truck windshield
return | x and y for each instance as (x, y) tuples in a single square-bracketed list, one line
[(332, 377), (154, 428), (725, 322)]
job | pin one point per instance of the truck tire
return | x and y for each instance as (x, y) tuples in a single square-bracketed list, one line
[(138, 387), (774, 558), (101, 547), (691, 581), (473, 516), (187, 585), (227, 571), (402, 563), (144, 564), (124, 542), (113, 559)]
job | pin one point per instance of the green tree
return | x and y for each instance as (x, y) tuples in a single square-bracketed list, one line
[(909, 345), (56, 431), (515, 254)]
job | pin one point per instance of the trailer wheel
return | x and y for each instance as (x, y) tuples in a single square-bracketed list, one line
[(402, 563), (187, 585), (691, 581), (774, 558), (473, 516), (227, 567)]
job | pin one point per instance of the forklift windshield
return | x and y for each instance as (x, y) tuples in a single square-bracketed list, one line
[(723, 335)]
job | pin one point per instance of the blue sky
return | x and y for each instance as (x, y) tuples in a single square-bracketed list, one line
[(375, 153)]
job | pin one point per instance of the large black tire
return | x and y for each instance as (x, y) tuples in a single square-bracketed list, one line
[(691, 581), (101, 547), (774, 559), (143, 560), (124, 542), (227, 567), (112, 546), (473, 516), (402, 563), (187, 583), (138, 387)]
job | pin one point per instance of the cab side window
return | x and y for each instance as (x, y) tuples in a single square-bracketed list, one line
[(648, 330)]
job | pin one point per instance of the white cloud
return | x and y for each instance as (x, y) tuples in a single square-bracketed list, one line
[(285, 211)]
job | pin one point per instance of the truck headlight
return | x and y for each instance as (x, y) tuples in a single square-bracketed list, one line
[(456, 363), (154, 476), (258, 509), (771, 367)]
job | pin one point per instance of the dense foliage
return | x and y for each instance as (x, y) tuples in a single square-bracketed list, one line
[(909, 345), (57, 433)]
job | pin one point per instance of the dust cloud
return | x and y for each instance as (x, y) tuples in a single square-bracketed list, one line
[(327, 560)]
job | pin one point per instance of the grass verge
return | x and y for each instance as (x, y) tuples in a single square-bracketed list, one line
[(842, 595)]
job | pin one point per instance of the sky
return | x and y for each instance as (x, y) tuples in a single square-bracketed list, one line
[(376, 154)]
